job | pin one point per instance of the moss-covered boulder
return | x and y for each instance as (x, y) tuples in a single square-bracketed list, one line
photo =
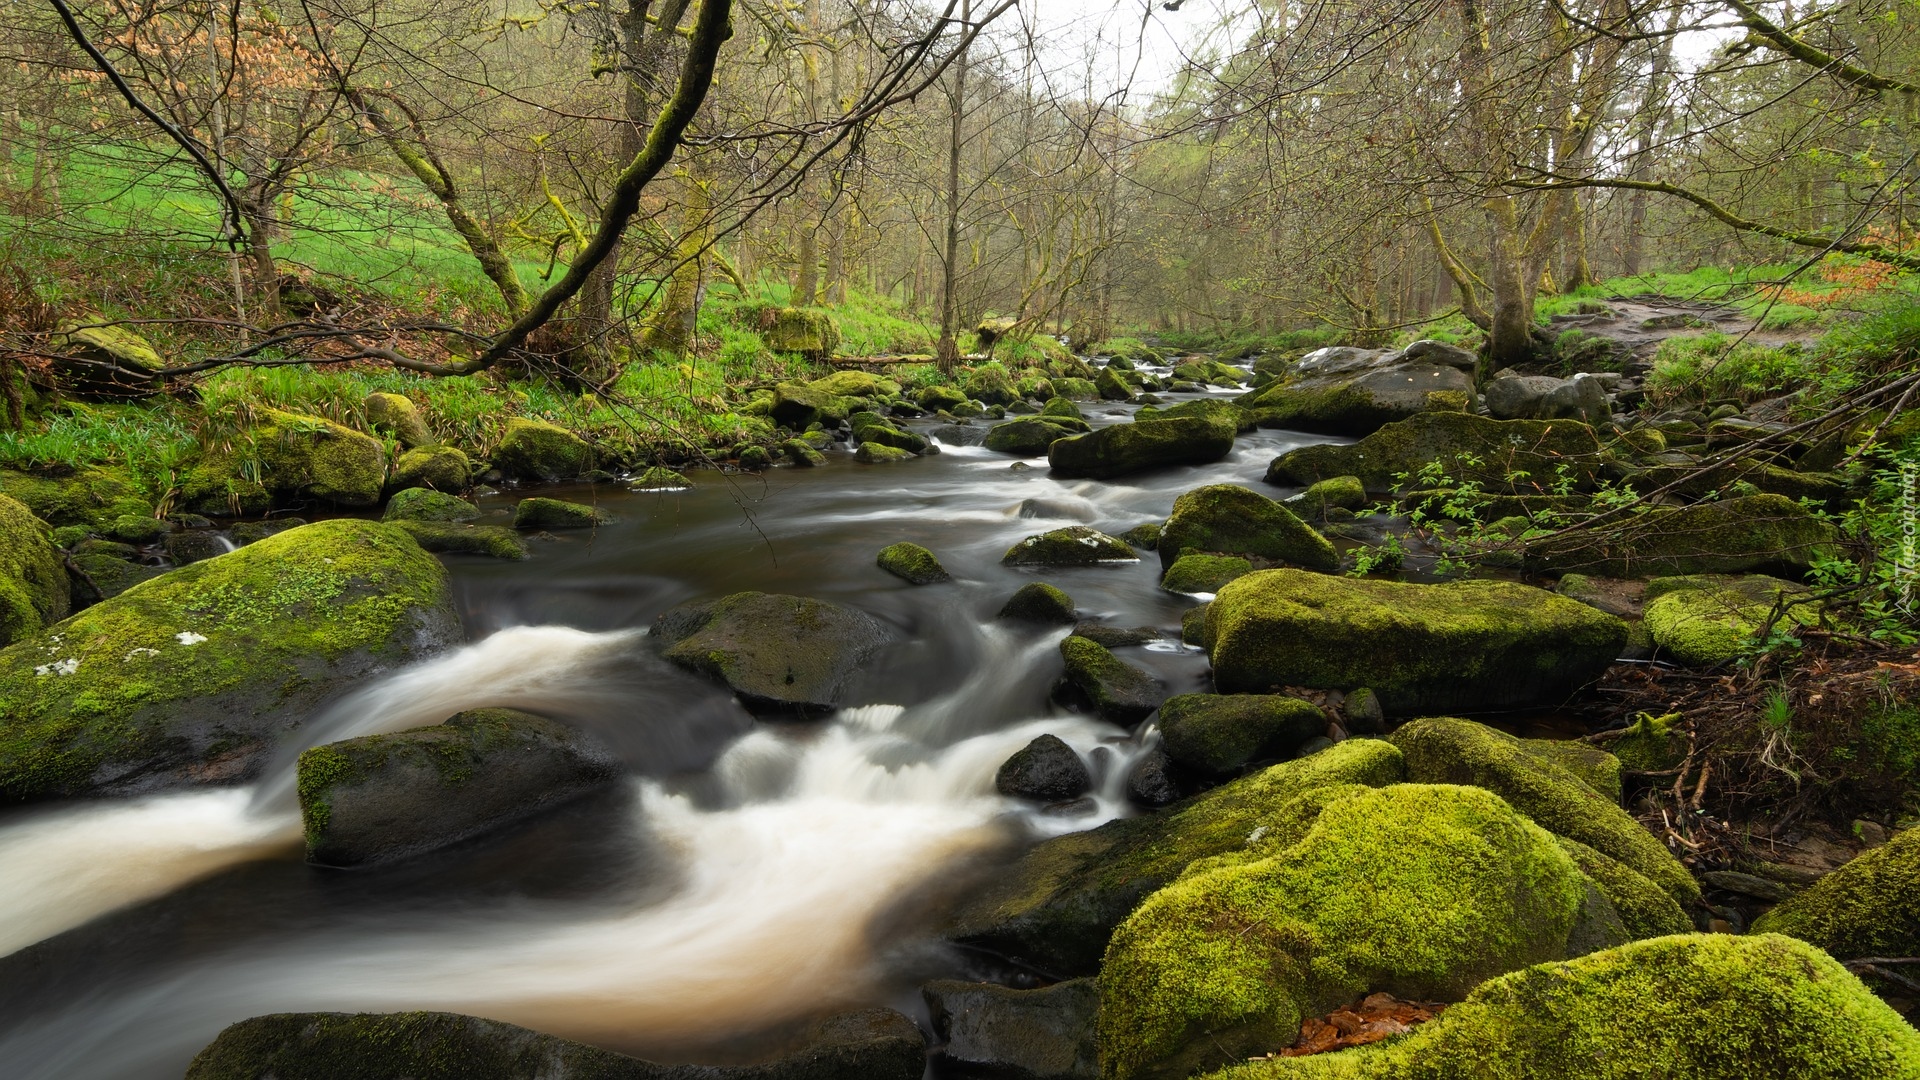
[(384, 797), (1645, 909), (1686, 1007), (870, 428), (1202, 408), (912, 564), (93, 499), (104, 361), (454, 538), (1228, 519), (1421, 891), (102, 575), (938, 398), (537, 450), (1060, 408), (1203, 575), (1076, 389), (1059, 904), (1458, 646), (807, 331), (1030, 436), (421, 504), (397, 417), (856, 384), (1075, 545), (543, 513), (777, 653), (1708, 619), (989, 384), (1347, 391), (34, 590), (288, 457), (1869, 907), (802, 454), (1766, 534), (1219, 734), (871, 1044), (1446, 750), (660, 478), (189, 678), (1116, 689), (1038, 602), (873, 453), (1109, 386), (1344, 492), (1492, 453), (442, 468), (800, 406), (1123, 449)]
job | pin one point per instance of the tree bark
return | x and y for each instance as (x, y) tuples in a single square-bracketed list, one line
[(947, 353)]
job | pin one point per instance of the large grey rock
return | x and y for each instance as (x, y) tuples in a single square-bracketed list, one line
[(384, 797), (1348, 391), (1045, 1034), (778, 653), (872, 1044), (1542, 397)]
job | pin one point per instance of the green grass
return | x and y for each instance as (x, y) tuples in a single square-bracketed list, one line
[(1711, 366)]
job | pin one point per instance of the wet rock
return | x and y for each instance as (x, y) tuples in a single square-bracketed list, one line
[(1045, 1034), (754, 459), (1045, 770), (1123, 449), (1757, 888), (777, 653), (423, 504), (537, 450), (1203, 575), (801, 454), (1038, 602), (1868, 907), (1055, 908), (1116, 637), (540, 513), (1151, 782), (34, 590), (195, 546), (660, 478), (1030, 437), (870, 428), (1219, 734), (250, 532), (442, 468), (1076, 545), (385, 797), (1423, 649), (872, 1044), (1504, 447), (913, 564), (192, 677), (1146, 536), (1226, 519), (454, 538), (288, 456), (1611, 595), (1117, 690), (873, 453), (1766, 534), (959, 435), (98, 576), (1335, 493), (1056, 508), (396, 416), (1349, 391)]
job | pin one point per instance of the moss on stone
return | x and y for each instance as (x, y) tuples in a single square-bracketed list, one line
[(789, 653), (1202, 408), (1446, 750), (1753, 534), (796, 451), (937, 398), (214, 658), (442, 468), (808, 331), (397, 416), (89, 498), (873, 453), (1122, 449), (1422, 891), (1645, 909), (288, 455), (1650, 743), (1685, 1007), (1076, 389), (1075, 545), (1702, 620), (1145, 536), (989, 383), (1594, 767), (34, 591), (452, 538), (1222, 733), (1198, 574), (868, 427), (1464, 645), (1039, 602), (1869, 907), (422, 504), (1057, 907), (1117, 690), (1228, 519), (1061, 408), (660, 478), (1503, 448), (912, 563), (537, 450), (1030, 436), (99, 576), (856, 384), (543, 513)]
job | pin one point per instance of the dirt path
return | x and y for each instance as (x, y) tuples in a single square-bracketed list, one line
[(1641, 323)]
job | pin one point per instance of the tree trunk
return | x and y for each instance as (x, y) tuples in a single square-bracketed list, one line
[(671, 329), (947, 353)]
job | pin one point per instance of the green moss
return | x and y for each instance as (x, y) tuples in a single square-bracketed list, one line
[(537, 450), (856, 384), (1504, 450), (1061, 409), (140, 688), (288, 454), (541, 513), (92, 498), (868, 427), (1030, 436), (938, 398), (1201, 408), (1145, 536), (1645, 909), (1650, 744), (397, 416), (1228, 519), (453, 538), (1075, 545), (120, 344), (1221, 733), (1423, 891), (989, 383), (442, 468), (1686, 1007), (1118, 690), (422, 504), (1421, 648), (1039, 602), (1057, 907), (1203, 574), (808, 331), (1122, 449), (912, 563), (1702, 620), (873, 453), (1444, 750), (319, 770), (34, 590), (657, 478), (1756, 533), (1076, 389), (1593, 766), (1345, 492), (1869, 907)]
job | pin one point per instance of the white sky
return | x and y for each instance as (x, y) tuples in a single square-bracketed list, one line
[(1135, 44)]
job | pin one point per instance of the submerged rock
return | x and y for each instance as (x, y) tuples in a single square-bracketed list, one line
[(1347, 391), (34, 590), (777, 653), (872, 1044), (1754, 534), (1045, 1034), (422, 504), (1226, 519), (385, 797), (912, 564), (1039, 602), (1122, 449), (1421, 891), (537, 450), (1219, 734), (540, 513), (1075, 545), (1686, 1007), (1465, 645), (190, 677), (1045, 769), (1868, 907), (1117, 690)]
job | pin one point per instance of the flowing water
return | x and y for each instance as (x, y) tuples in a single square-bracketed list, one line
[(750, 874)]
